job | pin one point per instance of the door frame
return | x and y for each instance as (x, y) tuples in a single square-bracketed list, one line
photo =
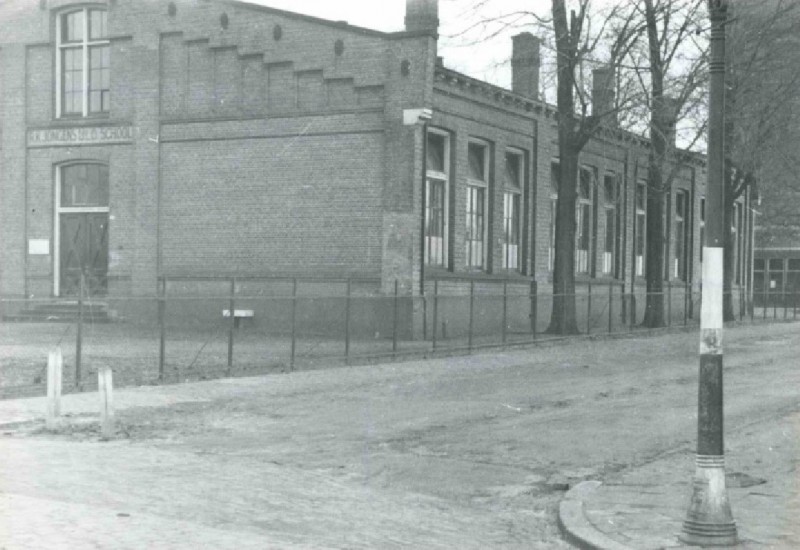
[(58, 210)]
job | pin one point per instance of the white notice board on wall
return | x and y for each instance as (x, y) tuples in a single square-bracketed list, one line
[(38, 247)]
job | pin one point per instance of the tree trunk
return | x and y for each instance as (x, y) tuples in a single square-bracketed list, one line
[(654, 260), (563, 319)]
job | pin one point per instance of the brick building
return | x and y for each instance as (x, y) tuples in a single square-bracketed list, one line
[(215, 138)]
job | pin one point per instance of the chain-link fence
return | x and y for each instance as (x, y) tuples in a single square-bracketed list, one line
[(201, 329)]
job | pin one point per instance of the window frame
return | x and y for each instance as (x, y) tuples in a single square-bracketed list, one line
[(514, 197), (640, 243), (555, 182), (584, 213), (85, 45), (611, 250), (681, 226), (441, 178), (477, 189)]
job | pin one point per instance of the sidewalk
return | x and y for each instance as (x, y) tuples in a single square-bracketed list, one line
[(644, 508)]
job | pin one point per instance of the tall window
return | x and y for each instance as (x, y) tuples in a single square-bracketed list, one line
[(681, 240), (584, 220), (512, 203), (437, 168), (641, 227), (84, 82), (477, 184), (611, 196), (555, 175)]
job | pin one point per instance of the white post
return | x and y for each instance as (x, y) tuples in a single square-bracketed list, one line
[(105, 387), (55, 365)]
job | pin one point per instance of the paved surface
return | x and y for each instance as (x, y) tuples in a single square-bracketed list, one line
[(644, 508), (465, 452)]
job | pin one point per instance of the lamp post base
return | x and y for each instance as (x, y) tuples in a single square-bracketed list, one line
[(709, 521)]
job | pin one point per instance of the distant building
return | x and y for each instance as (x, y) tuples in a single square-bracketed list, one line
[(217, 139)]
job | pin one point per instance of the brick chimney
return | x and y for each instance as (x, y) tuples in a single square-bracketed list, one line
[(422, 15), (525, 64), (670, 114), (603, 95)]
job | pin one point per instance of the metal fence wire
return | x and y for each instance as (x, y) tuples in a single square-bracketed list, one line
[(195, 330)]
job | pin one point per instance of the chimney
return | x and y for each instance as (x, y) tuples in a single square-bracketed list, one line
[(422, 15), (525, 64), (670, 114), (603, 95)]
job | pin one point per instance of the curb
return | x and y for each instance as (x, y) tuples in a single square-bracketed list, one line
[(574, 525)]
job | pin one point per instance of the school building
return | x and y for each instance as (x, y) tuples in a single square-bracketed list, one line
[(150, 140)]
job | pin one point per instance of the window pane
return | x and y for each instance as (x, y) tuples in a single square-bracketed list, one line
[(72, 80), (99, 79), (776, 264), (641, 191), (555, 176), (794, 264), (72, 27), (477, 161), (435, 152), (585, 187), (97, 24), (611, 216), (758, 264), (610, 189), (513, 170), (84, 185)]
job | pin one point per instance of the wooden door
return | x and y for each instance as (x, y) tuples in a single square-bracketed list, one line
[(84, 249)]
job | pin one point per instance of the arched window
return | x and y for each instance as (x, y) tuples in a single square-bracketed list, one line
[(83, 60)]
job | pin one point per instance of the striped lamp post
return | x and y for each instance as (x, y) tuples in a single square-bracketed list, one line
[(709, 521)]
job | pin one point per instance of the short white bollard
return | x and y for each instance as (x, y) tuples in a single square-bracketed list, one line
[(105, 387), (55, 366)]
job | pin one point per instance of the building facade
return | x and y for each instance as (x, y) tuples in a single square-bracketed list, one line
[(214, 138)]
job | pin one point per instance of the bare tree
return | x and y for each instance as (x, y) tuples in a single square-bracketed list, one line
[(576, 45), (670, 69)]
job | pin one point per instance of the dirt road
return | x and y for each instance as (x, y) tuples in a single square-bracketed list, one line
[(469, 452)]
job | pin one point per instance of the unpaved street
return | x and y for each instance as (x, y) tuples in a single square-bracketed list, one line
[(467, 452)]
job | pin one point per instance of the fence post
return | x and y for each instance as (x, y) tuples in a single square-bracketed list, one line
[(435, 310), (105, 389), (79, 334), (534, 296), (669, 304), (294, 324), (766, 298), (505, 309), (471, 304), (162, 331), (610, 305), (232, 323), (589, 311), (394, 323), (55, 365), (347, 324)]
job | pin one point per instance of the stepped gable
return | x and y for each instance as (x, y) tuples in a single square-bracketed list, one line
[(233, 59)]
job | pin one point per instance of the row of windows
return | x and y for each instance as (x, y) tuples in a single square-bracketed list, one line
[(477, 215)]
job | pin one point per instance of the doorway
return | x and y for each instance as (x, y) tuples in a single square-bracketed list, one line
[(82, 229)]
